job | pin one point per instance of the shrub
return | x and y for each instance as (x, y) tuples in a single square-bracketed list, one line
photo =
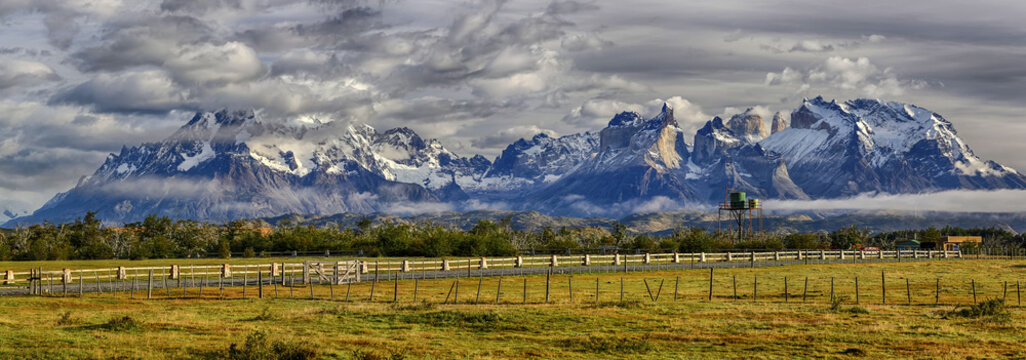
[(987, 308), (124, 323), (265, 315), (259, 347), (607, 344), (66, 319), (858, 310), (393, 354)]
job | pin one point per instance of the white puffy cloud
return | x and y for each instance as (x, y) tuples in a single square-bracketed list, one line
[(19, 73), (689, 115), (216, 64), (504, 137), (138, 91), (999, 201), (854, 75), (594, 114)]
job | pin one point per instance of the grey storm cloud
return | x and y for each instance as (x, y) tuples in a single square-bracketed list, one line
[(80, 78)]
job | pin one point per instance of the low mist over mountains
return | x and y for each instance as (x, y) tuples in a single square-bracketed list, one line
[(665, 222), (233, 164)]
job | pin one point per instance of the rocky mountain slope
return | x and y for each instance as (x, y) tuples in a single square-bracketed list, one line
[(235, 164)]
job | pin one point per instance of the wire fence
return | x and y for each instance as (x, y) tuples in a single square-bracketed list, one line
[(335, 273)]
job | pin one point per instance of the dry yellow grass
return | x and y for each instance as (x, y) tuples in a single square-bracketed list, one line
[(689, 328)]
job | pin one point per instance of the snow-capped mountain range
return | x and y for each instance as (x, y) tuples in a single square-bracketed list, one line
[(233, 164)]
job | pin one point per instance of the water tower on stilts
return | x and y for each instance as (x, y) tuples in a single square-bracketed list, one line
[(743, 218)]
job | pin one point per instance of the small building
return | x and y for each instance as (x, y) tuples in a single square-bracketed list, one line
[(908, 245), (957, 242)]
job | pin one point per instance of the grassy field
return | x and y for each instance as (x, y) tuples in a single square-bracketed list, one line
[(691, 327)]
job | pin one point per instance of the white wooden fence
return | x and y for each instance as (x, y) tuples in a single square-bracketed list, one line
[(350, 270)]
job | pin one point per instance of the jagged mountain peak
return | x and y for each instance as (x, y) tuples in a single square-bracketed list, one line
[(778, 123), (626, 118), (748, 126), (231, 164)]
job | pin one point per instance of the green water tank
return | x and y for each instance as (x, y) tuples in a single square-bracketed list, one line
[(737, 197), (753, 203)]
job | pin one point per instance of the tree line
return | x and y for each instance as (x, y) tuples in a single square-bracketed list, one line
[(163, 237)]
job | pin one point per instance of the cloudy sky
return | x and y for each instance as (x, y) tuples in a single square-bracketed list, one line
[(80, 79)]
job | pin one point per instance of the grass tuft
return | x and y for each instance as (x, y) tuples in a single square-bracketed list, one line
[(835, 306), (993, 309), (66, 319), (854, 352), (607, 344), (121, 324), (259, 347), (393, 354), (265, 315)]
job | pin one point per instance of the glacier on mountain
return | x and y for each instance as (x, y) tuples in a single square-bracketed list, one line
[(233, 164)]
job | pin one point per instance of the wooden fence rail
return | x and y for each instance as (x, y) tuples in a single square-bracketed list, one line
[(355, 268)]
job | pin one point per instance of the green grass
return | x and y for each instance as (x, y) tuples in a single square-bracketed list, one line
[(690, 328)]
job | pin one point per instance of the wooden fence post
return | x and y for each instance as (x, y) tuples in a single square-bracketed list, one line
[(786, 294), (710, 284), (676, 282), (498, 290), (883, 288), (570, 284), (596, 290), (547, 276), (908, 291), (477, 298), (65, 276), (734, 281), (349, 287), (856, 290), (201, 284), (245, 279), (805, 289), (174, 272), (974, 291), (149, 285), (1004, 294), (755, 289), (306, 272), (260, 284)]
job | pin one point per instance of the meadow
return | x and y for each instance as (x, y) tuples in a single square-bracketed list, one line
[(671, 317)]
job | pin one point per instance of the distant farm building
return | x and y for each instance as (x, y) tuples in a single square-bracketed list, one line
[(908, 245), (957, 242)]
